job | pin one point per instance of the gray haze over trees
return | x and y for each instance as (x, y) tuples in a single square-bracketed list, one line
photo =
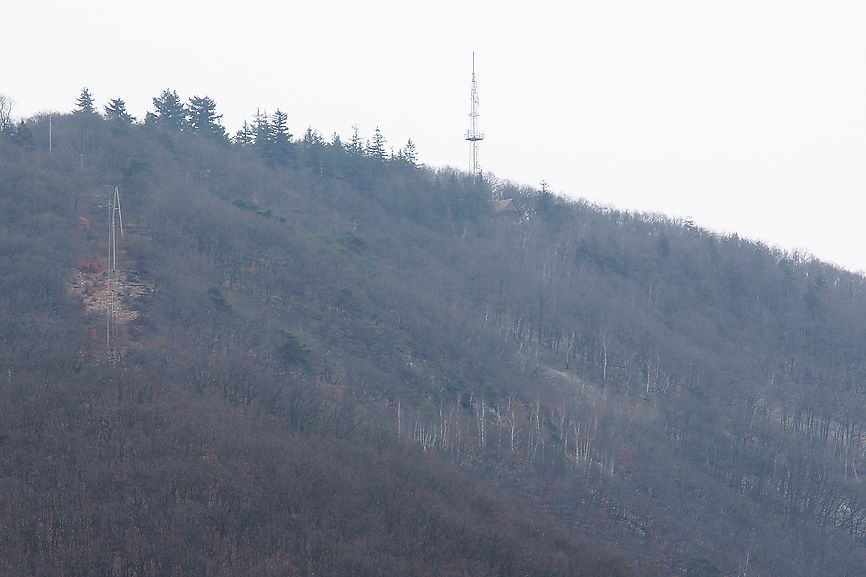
[(339, 361)]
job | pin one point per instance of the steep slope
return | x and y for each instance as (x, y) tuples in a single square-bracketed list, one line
[(695, 400), (210, 439)]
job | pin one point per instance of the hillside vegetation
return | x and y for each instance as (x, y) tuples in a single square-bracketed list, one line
[(328, 360)]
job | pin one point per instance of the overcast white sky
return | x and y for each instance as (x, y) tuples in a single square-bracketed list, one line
[(747, 115)]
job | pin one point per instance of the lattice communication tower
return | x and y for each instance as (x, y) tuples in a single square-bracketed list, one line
[(474, 134)]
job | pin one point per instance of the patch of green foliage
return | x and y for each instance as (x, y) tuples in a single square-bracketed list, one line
[(219, 300), (293, 352)]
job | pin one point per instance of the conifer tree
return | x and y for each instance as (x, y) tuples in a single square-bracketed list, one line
[(85, 101), (356, 145), (408, 154), (246, 136), (376, 147), (116, 110), (312, 138), (279, 139), (202, 117), (169, 111), (261, 131), (544, 202)]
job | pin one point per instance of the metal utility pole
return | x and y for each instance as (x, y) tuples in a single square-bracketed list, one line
[(474, 135), (113, 280)]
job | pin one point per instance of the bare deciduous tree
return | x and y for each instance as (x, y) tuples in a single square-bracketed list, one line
[(6, 106)]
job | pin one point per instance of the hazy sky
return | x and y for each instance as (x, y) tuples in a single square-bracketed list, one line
[(748, 116)]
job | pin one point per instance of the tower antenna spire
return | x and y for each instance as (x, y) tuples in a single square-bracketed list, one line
[(474, 134)]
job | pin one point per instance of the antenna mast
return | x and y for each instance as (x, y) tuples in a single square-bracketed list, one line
[(474, 135)]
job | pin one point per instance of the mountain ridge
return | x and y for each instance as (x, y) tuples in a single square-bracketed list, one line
[(689, 398)]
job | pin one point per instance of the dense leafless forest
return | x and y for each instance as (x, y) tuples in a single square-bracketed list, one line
[(329, 359)]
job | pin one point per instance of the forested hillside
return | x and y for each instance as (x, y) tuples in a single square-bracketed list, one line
[(328, 359)]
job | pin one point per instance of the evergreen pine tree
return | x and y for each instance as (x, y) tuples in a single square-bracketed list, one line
[(279, 139), (544, 201), (202, 117), (376, 147), (261, 132), (116, 110), (85, 101), (169, 111), (356, 145), (408, 154), (246, 136), (312, 138)]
